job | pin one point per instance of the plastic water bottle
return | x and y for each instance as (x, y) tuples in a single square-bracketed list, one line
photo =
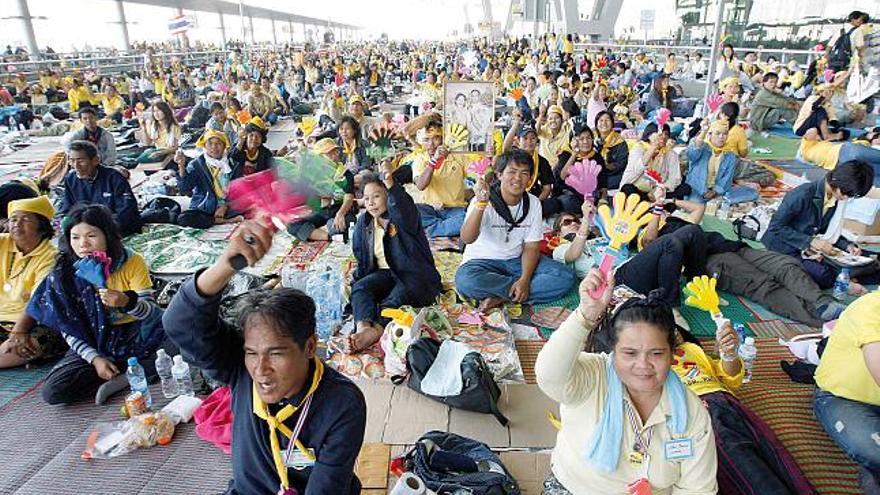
[(748, 353), (740, 330), (180, 371), (323, 287), (137, 379), (163, 369), (841, 284), (724, 210)]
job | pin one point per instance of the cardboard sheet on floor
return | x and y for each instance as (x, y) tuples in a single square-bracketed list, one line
[(525, 406), (528, 469), (412, 415), (482, 427), (372, 465), (378, 397)]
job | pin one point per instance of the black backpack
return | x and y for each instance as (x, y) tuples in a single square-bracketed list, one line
[(479, 392), (841, 53), (447, 462)]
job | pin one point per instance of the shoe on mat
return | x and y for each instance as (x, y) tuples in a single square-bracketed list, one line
[(110, 388)]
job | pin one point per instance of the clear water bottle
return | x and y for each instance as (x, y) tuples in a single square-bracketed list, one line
[(180, 372), (841, 284), (137, 379), (323, 287), (724, 209), (163, 369), (748, 353)]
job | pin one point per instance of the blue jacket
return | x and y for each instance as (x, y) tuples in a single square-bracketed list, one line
[(406, 248), (798, 219), (698, 171), (334, 427), (199, 184), (108, 188)]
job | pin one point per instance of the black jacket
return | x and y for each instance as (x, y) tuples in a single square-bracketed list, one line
[(406, 248), (798, 219)]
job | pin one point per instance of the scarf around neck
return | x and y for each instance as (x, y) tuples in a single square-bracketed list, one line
[(276, 423), (503, 210), (603, 447)]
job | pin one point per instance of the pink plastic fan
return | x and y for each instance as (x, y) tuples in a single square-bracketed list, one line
[(583, 177), (479, 167), (663, 116), (263, 195), (713, 102)]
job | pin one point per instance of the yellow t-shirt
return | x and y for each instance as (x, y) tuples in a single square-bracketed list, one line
[(22, 273), (702, 374), (821, 153), (447, 183), (737, 142), (842, 370), (80, 95), (112, 105), (550, 147), (132, 275), (379, 245)]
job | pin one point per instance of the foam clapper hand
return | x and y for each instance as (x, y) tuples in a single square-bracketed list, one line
[(620, 226), (583, 177)]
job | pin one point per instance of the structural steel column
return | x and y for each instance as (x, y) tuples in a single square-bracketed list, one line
[(123, 23), (29, 29), (251, 24), (222, 30), (274, 36), (290, 30), (716, 38)]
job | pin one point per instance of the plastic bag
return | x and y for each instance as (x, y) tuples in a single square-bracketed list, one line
[(109, 440)]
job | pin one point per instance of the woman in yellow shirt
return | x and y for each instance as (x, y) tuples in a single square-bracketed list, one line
[(847, 400), (554, 133), (112, 103), (737, 142), (26, 256), (103, 309)]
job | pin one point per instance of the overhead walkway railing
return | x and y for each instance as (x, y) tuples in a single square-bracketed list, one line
[(804, 57)]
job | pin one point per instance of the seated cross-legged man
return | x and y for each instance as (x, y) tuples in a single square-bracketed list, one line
[(276, 380), (503, 229)]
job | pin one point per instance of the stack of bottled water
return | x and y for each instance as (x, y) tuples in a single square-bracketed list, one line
[(324, 286)]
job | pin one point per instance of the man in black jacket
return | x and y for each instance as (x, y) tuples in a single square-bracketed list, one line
[(280, 389)]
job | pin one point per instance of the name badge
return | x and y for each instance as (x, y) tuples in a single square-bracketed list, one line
[(679, 450), (298, 460)]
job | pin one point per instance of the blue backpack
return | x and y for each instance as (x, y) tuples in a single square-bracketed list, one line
[(447, 462)]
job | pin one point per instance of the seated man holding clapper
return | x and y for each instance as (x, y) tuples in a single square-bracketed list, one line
[(502, 230), (280, 388)]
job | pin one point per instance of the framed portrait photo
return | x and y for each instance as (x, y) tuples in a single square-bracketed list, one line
[(468, 115)]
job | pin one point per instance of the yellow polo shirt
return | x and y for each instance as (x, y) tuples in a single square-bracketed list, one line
[(379, 245), (737, 142), (702, 374), (80, 95), (23, 273), (821, 153), (447, 183), (843, 370), (112, 105), (132, 275)]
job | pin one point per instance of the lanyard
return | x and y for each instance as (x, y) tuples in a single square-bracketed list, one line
[(642, 444), (299, 424)]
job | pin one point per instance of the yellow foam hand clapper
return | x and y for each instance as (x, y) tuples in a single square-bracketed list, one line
[(307, 125), (629, 215), (456, 136), (401, 317), (701, 294)]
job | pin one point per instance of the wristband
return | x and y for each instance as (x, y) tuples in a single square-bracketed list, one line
[(482, 204), (657, 210), (436, 164)]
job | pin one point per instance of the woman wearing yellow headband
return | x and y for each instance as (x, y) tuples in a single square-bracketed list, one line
[(206, 178), (711, 169)]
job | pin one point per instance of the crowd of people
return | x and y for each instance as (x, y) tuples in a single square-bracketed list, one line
[(644, 409)]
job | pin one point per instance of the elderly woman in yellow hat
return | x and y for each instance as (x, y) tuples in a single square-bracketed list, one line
[(206, 178), (554, 133), (337, 212), (26, 256)]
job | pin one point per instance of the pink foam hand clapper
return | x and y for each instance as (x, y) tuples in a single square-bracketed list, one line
[(263, 195), (479, 167), (583, 177), (829, 76), (620, 226), (663, 116), (714, 102)]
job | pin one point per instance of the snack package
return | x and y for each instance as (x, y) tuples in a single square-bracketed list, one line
[(108, 440)]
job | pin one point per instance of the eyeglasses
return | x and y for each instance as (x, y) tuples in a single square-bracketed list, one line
[(568, 221)]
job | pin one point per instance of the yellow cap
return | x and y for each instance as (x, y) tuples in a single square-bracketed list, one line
[(727, 81), (556, 109), (356, 99), (325, 145), (212, 133), (39, 205)]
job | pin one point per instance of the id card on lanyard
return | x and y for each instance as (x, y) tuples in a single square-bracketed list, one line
[(294, 457)]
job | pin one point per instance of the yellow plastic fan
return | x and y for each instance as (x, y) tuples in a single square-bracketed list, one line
[(456, 136), (498, 139), (307, 125)]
